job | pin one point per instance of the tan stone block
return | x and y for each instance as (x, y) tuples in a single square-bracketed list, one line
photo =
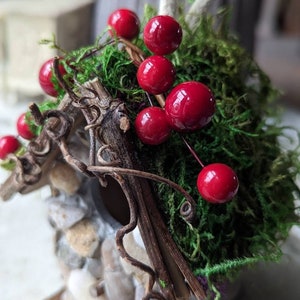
[(26, 23), (64, 178), (83, 238)]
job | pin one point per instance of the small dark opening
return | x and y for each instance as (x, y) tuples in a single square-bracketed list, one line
[(115, 201)]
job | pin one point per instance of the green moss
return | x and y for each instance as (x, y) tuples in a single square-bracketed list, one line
[(248, 228)]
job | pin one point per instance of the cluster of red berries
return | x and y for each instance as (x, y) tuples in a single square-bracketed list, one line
[(11, 143), (189, 106)]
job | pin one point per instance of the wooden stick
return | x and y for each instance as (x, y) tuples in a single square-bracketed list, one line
[(168, 7), (196, 9), (14, 184)]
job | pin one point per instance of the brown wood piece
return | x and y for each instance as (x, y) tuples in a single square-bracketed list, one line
[(168, 262), (12, 184), (109, 131)]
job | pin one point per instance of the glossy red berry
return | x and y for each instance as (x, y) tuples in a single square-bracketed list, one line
[(162, 35), (23, 128), (125, 23), (217, 183), (46, 75), (151, 126), (189, 106), (156, 74), (8, 144)]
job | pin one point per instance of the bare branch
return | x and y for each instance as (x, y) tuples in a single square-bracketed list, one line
[(197, 8), (168, 7)]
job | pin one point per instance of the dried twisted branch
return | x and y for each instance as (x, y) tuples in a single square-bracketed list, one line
[(107, 124), (109, 134), (112, 136), (188, 207)]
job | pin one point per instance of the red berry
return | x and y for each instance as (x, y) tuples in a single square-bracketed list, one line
[(162, 35), (8, 144), (151, 126), (125, 23), (45, 77), (156, 74), (23, 128), (217, 183), (189, 106)]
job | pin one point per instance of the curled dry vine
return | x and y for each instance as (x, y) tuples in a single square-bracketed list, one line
[(108, 126), (111, 153)]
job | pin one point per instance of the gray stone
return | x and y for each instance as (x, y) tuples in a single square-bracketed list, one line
[(64, 215), (95, 267), (66, 255)]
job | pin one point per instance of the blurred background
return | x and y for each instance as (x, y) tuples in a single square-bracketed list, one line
[(269, 29)]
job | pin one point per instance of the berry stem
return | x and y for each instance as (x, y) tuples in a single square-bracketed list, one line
[(96, 49), (138, 56), (193, 152), (161, 100), (149, 99)]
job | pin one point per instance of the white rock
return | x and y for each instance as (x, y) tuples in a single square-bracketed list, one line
[(139, 291), (63, 215), (135, 248), (79, 284), (118, 285), (138, 238)]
